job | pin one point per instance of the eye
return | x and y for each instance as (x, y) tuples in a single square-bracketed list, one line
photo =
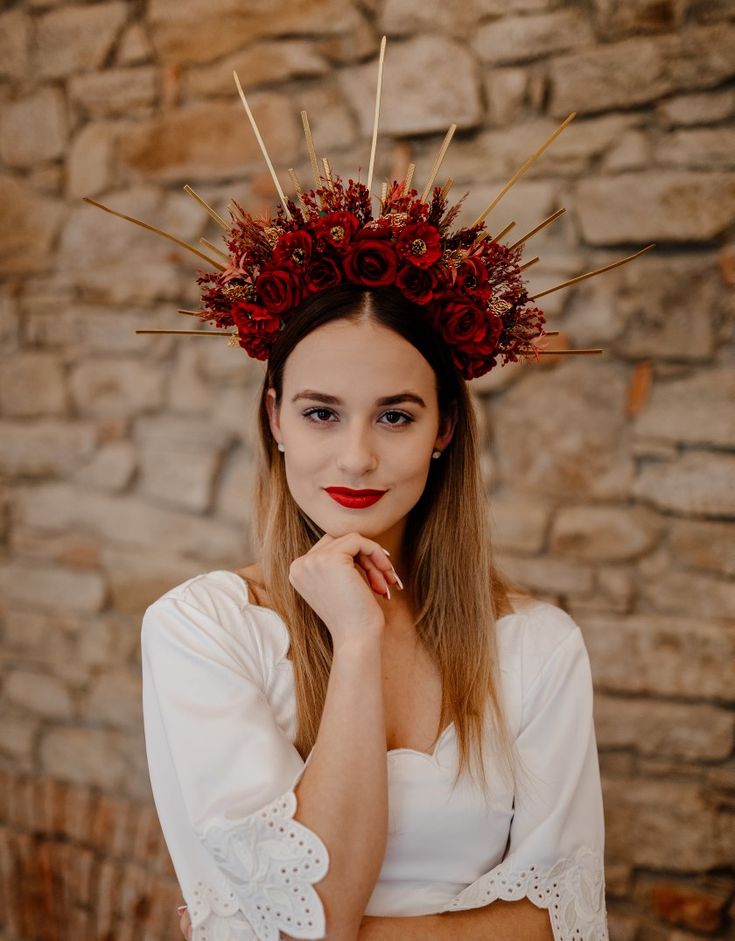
[(317, 421)]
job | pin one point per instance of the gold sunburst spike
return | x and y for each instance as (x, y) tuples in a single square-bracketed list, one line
[(261, 144), (217, 251), (538, 228), (215, 215), (328, 173), (522, 169), (192, 313), (191, 333), (438, 162), (591, 274), (447, 186), (505, 231), (529, 263), (566, 352), (383, 191), (409, 178), (310, 148), (374, 142), (153, 228), (297, 187)]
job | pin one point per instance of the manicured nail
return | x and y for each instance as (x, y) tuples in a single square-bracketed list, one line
[(180, 908), (400, 583), (385, 550), (387, 591)]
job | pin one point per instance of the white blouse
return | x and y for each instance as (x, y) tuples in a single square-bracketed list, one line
[(220, 717)]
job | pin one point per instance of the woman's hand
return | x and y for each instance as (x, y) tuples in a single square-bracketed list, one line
[(329, 578)]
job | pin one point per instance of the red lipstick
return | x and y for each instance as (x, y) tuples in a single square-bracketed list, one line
[(354, 499)]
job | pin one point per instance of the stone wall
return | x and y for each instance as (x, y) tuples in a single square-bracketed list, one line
[(125, 460)]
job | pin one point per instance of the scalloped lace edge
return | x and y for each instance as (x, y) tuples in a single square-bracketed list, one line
[(268, 863), (572, 890)]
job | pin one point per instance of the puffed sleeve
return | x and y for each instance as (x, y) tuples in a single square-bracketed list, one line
[(223, 775), (554, 855)]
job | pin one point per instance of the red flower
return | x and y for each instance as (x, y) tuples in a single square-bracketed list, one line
[(293, 250), (321, 274), (337, 228), (257, 328), (420, 243), (279, 289), (371, 260), (468, 327), (472, 279), (417, 284)]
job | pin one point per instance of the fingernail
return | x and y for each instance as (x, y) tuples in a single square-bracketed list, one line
[(400, 583), (387, 591), (385, 550), (180, 908)]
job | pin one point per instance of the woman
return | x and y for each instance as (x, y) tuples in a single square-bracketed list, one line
[(313, 721)]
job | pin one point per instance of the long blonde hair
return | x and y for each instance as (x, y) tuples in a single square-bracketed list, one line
[(451, 580)]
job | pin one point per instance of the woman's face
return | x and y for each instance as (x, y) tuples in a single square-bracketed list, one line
[(351, 439)]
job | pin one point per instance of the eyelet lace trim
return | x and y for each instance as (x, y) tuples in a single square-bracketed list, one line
[(573, 891), (268, 863)]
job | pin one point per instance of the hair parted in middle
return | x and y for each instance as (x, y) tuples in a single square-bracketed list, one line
[(451, 580)]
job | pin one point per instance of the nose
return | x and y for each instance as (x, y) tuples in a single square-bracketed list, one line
[(356, 452)]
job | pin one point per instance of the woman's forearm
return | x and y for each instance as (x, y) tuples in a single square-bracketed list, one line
[(343, 793), (498, 921)]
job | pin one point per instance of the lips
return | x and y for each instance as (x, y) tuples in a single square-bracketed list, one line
[(354, 499)]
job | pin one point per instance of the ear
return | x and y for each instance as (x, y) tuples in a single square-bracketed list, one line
[(272, 409), (446, 428)]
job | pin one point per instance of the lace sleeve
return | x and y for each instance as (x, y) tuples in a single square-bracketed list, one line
[(223, 776), (556, 847)]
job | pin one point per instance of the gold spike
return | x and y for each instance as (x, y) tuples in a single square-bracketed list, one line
[(565, 352), (522, 169), (310, 148), (505, 231), (409, 177), (447, 186), (481, 237), (214, 248), (193, 313), (591, 274), (192, 333), (261, 143), (383, 191), (529, 263), (236, 211), (328, 173), (377, 112), (297, 187), (438, 162), (541, 225), (215, 215), (152, 228)]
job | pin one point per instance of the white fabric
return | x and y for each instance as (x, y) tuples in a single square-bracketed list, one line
[(220, 719)]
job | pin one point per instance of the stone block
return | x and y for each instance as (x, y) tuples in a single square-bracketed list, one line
[(429, 82), (83, 756), (695, 484), (77, 38), (519, 521), (263, 63), (604, 533), (52, 587), (115, 92), (32, 385), (44, 447), (38, 693), (703, 545), (33, 128), (521, 38), (116, 387), (30, 225), (15, 38)]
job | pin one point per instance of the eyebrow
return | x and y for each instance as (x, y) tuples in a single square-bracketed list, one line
[(333, 400)]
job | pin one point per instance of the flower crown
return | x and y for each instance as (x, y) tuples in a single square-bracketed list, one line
[(469, 284)]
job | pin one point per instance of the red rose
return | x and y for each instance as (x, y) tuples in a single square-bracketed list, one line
[(468, 327), (337, 228), (257, 328), (417, 284), (279, 289), (293, 250), (472, 279), (420, 243), (321, 274), (371, 261)]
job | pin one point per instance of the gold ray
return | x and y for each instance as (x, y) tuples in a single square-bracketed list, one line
[(565, 352), (409, 177), (529, 263), (383, 191), (235, 211), (447, 186), (192, 333), (214, 248), (215, 215), (193, 313), (505, 231), (310, 148), (522, 169), (591, 274), (261, 144), (297, 187), (438, 162), (377, 113), (328, 173), (152, 228), (541, 225)]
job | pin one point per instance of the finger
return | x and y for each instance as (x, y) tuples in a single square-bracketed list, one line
[(353, 543), (376, 579)]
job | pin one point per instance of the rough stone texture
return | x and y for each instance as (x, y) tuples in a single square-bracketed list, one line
[(33, 129), (127, 461)]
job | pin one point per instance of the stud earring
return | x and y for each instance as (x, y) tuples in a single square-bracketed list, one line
[(281, 446), (436, 454)]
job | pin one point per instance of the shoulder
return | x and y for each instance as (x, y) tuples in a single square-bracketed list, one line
[(536, 632), (214, 609)]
